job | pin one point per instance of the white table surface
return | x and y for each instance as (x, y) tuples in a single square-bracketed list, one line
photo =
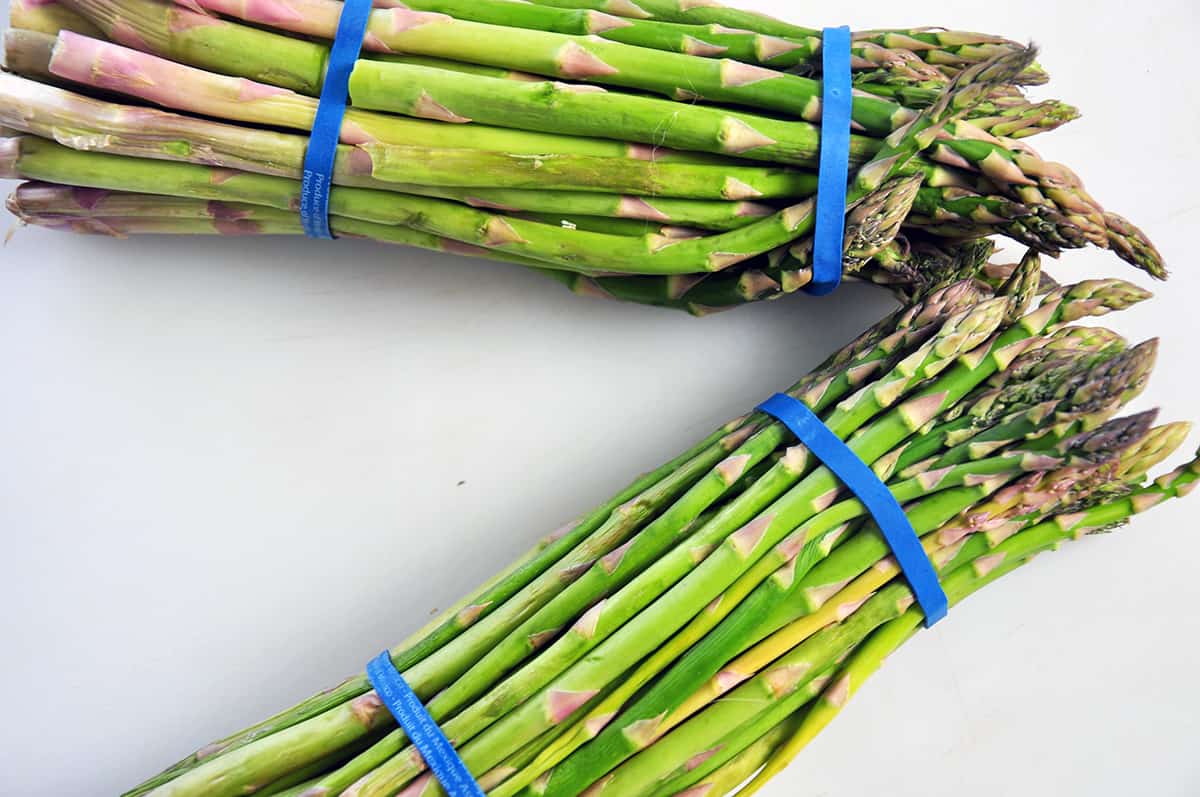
[(233, 470)]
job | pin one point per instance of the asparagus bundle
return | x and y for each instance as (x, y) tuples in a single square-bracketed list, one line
[(710, 619), (662, 152)]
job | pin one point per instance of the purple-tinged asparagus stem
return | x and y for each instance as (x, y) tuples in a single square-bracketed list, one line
[(109, 66), (580, 58)]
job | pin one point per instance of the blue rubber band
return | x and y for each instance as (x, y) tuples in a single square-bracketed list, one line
[(327, 126), (836, 112), (440, 756), (878, 499)]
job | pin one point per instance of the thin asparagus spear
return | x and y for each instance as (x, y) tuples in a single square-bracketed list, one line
[(727, 778), (50, 201)]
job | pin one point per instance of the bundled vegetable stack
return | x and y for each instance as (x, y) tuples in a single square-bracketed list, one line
[(657, 151), (710, 619)]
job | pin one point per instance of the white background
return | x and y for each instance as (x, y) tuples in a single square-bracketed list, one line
[(233, 470)]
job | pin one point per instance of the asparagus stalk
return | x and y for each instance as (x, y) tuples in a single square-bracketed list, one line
[(44, 200), (727, 778)]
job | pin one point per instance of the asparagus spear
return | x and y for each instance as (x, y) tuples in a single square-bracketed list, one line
[(727, 778), (48, 201)]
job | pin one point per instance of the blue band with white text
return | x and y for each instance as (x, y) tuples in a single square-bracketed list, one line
[(440, 756), (327, 126)]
